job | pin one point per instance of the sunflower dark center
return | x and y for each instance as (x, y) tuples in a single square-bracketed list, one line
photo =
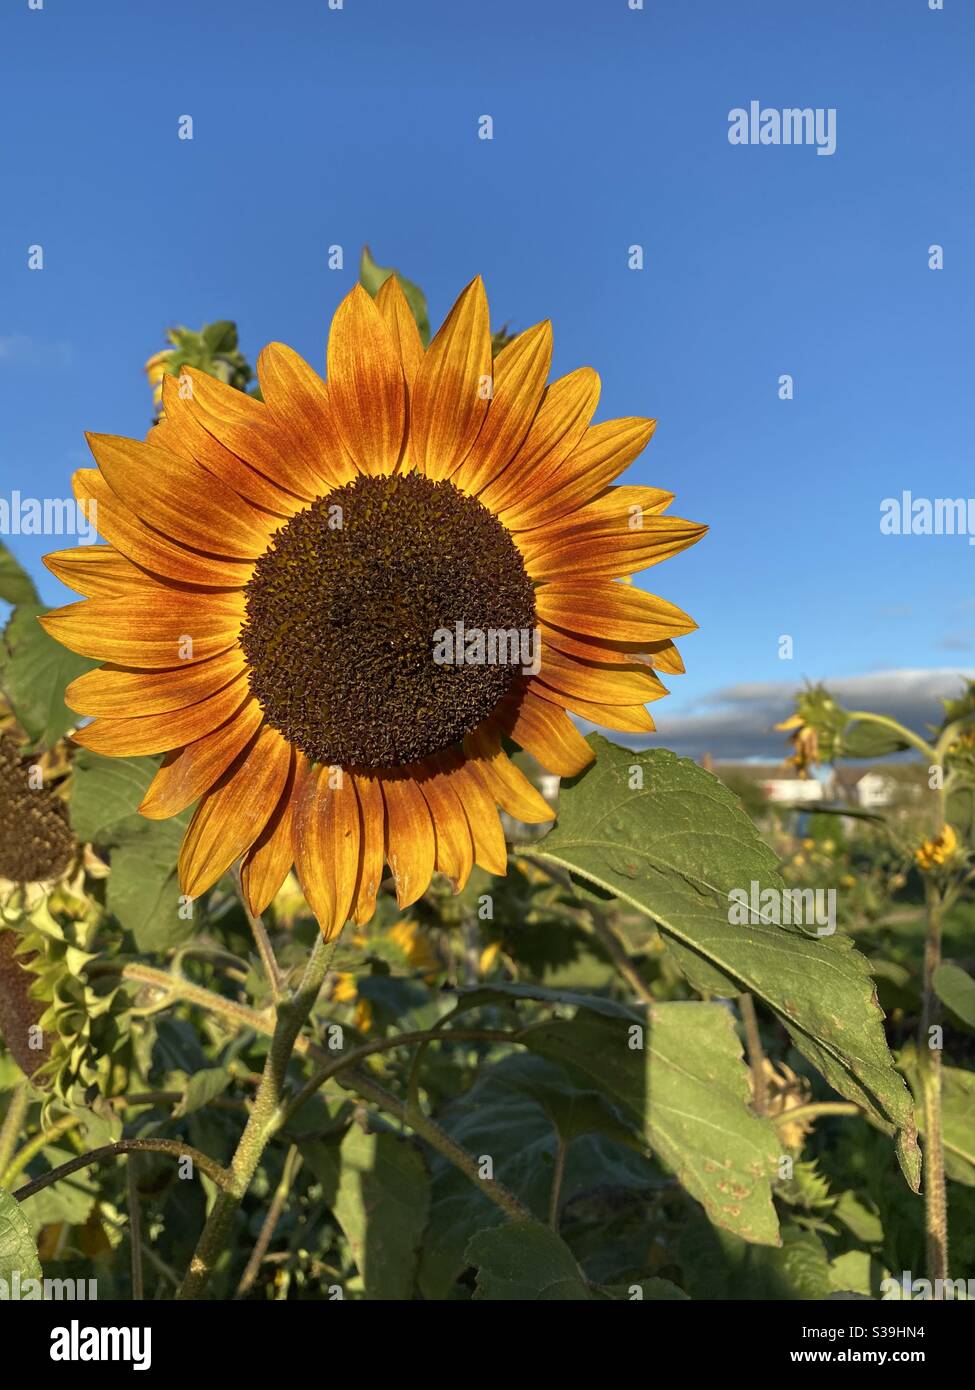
[(347, 612)]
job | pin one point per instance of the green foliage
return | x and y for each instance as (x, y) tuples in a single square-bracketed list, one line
[(212, 349), (525, 1261), (143, 887), (34, 671), (16, 585), (18, 1253), (372, 277), (674, 849)]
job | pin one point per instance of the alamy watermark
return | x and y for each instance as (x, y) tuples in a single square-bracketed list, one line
[(783, 907), (908, 515), (49, 516), (926, 1290), (492, 646), (793, 125), (16, 1289)]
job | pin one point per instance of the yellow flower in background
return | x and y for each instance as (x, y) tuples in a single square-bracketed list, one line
[(937, 851), (280, 571), (155, 370), (805, 743), (413, 941)]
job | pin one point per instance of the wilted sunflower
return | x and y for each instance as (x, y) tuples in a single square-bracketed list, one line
[(277, 572)]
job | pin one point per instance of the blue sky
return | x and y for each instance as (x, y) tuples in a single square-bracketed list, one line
[(315, 127)]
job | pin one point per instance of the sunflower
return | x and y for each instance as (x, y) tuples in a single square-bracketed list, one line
[(278, 573)]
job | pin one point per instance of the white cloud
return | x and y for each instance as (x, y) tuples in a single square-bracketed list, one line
[(737, 721)]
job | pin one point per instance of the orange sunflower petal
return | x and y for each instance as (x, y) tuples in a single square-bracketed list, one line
[(664, 656), (452, 388), (520, 372), (176, 626), (179, 498), (623, 554), (265, 865), (230, 818), (365, 384), (454, 855), (510, 788), (600, 456), (326, 833), (147, 548), (545, 732), (392, 304), (196, 768), (181, 433), (410, 841), (480, 808), (250, 430), (97, 571), (372, 847), (298, 397), (562, 420), (609, 684), (604, 609), (160, 733), (632, 719), (116, 691)]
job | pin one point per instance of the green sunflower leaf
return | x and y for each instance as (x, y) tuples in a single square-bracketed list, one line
[(379, 1192), (106, 794), (16, 585), (669, 839), (372, 277), (18, 1253), (956, 988), (514, 1116), (683, 1084), (34, 671), (957, 1114), (527, 1262), (143, 889)]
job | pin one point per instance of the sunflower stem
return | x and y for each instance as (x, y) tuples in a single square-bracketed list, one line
[(929, 1076), (173, 1147), (13, 1122), (23, 1156), (263, 942), (264, 1120), (438, 1139)]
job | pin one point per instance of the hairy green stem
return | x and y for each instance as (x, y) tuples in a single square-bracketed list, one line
[(358, 1054), (13, 1123), (174, 1147), (292, 1166), (34, 1146), (929, 1074), (756, 1053), (264, 948), (264, 1120), (438, 1139), (814, 1110), (135, 1227)]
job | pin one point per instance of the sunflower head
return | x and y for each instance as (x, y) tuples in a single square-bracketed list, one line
[(335, 608)]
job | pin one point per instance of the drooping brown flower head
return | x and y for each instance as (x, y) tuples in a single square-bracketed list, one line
[(20, 1012), (36, 843), (329, 607)]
